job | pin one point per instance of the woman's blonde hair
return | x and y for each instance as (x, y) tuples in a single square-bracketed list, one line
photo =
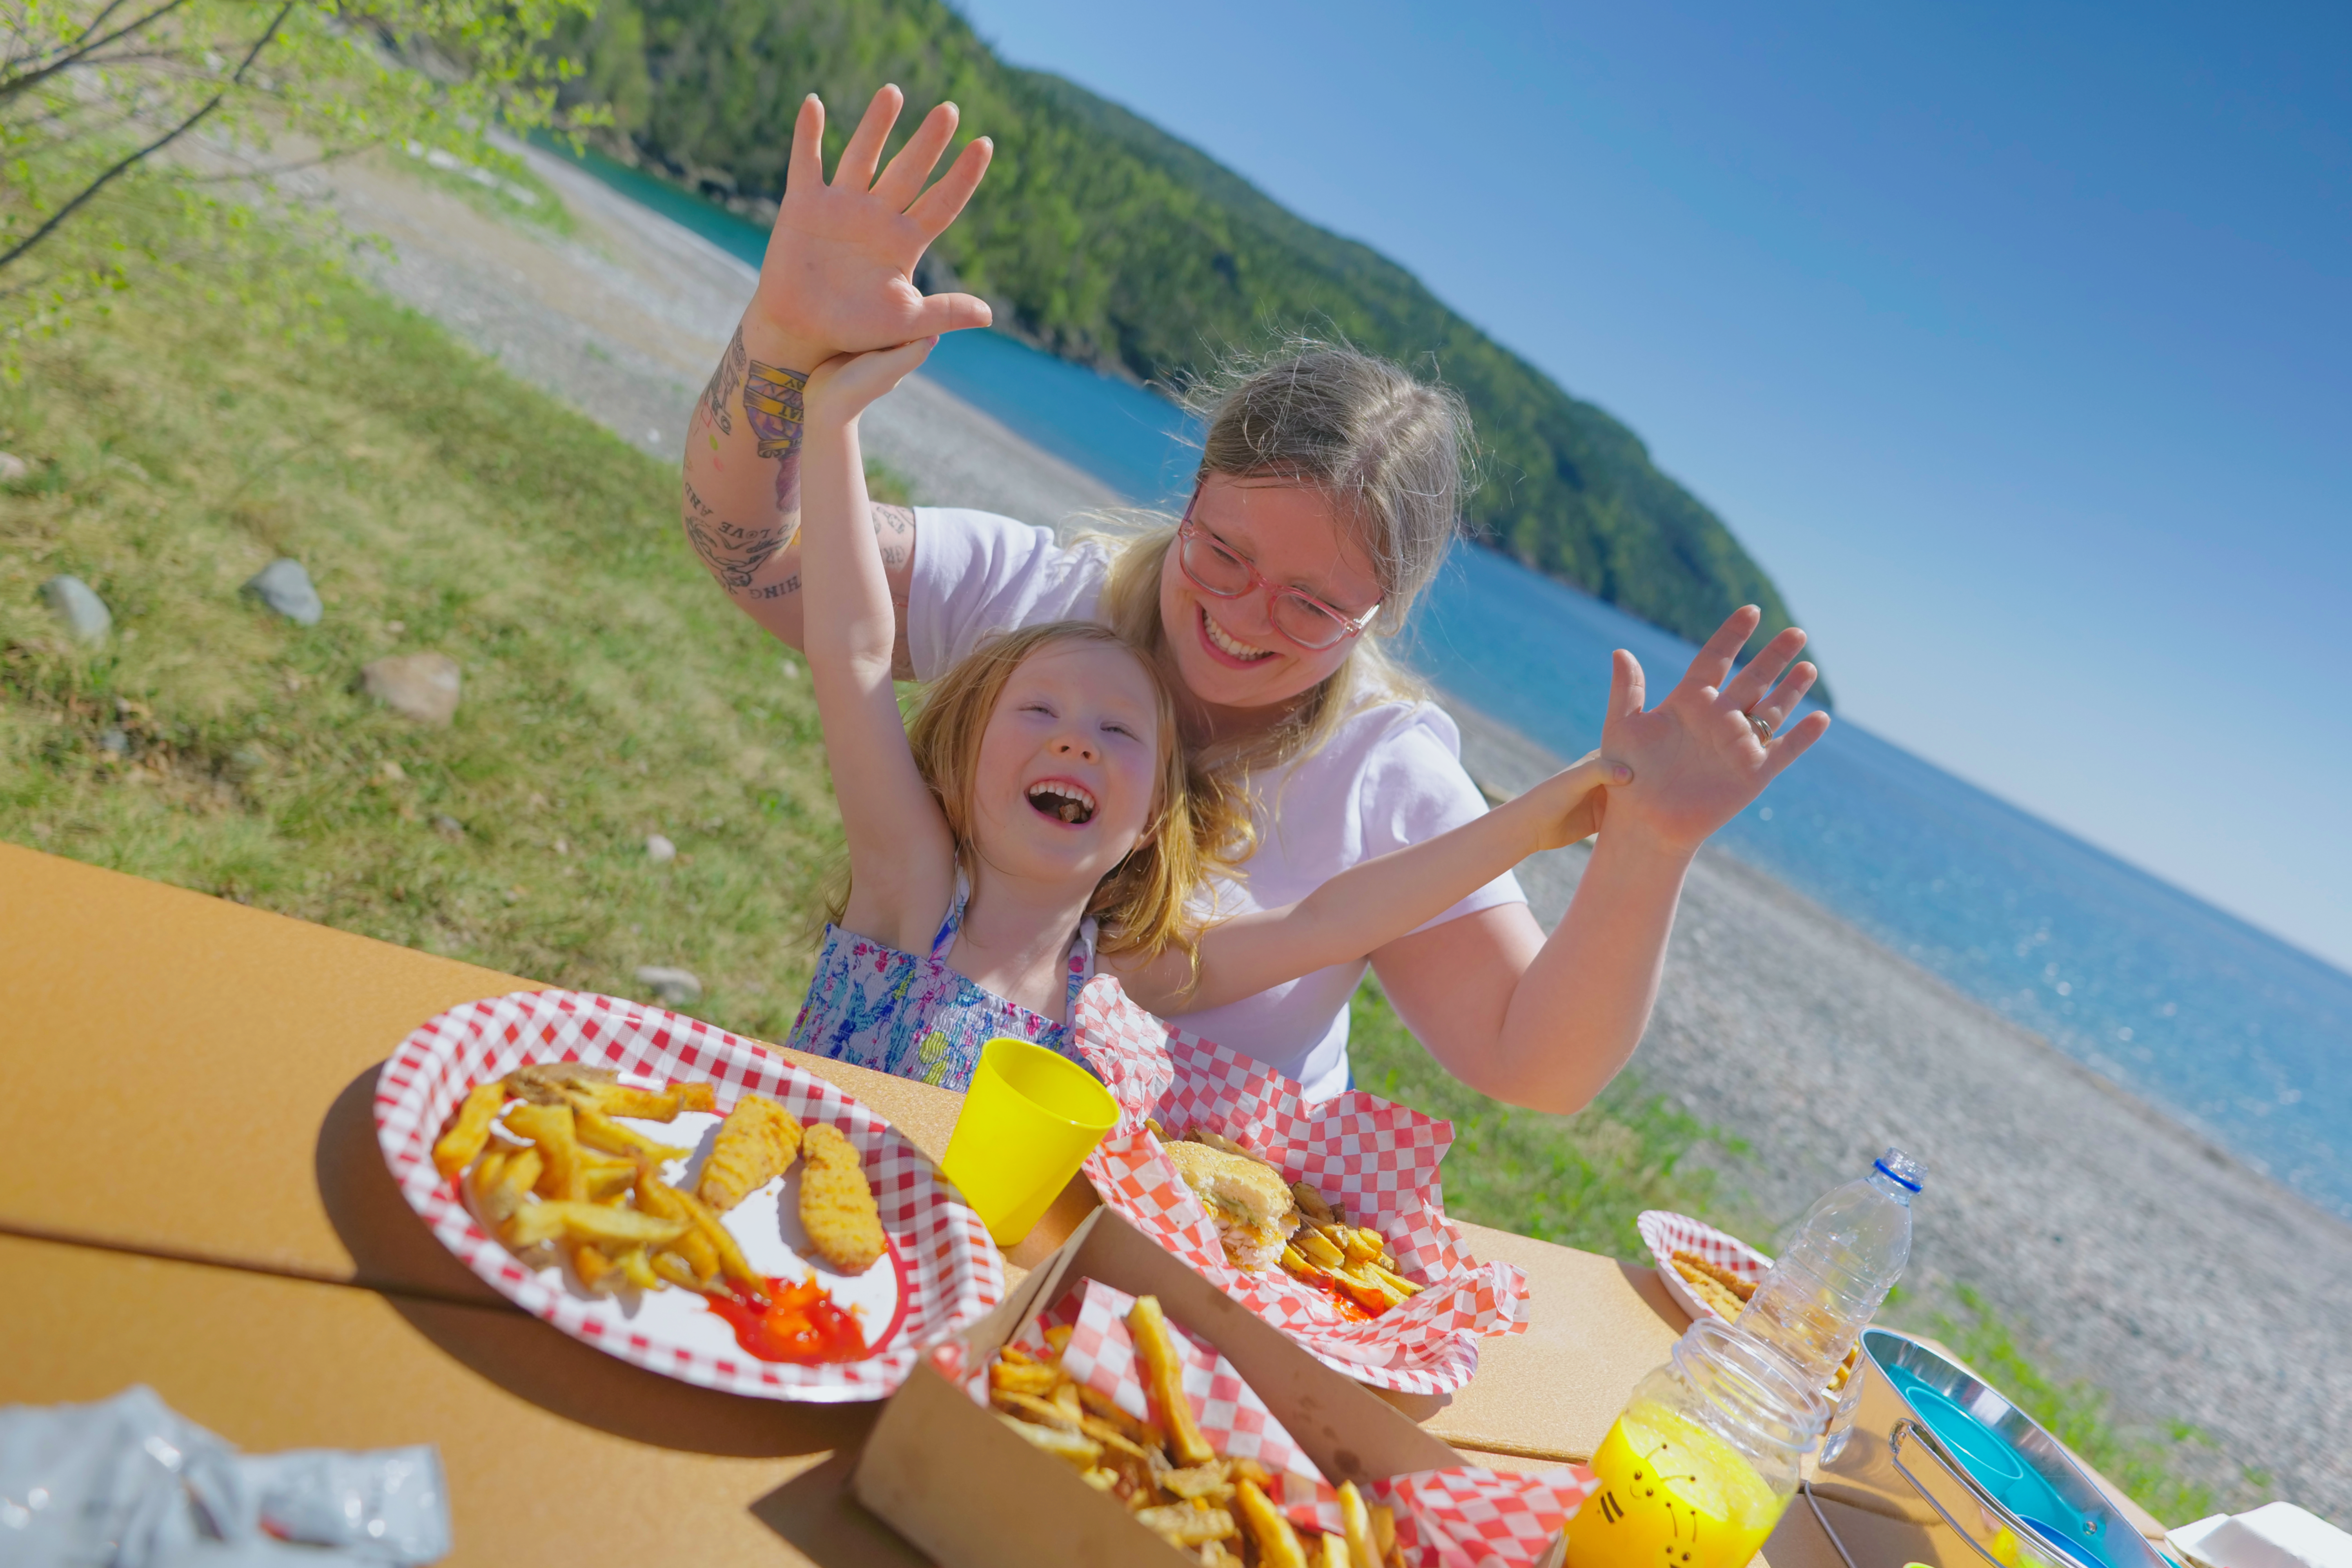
[(1196, 826)]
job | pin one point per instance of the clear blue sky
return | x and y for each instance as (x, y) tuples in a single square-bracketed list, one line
[(2015, 344)]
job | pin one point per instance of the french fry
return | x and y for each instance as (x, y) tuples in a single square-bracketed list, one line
[(602, 1180), (551, 1128), (1278, 1545), (1066, 1399), (1334, 1553), (1164, 1377), (593, 1267), (1384, 1530), (1240, 1470), (517, 1174), (1364, 1245), (1079, 1450), (1182, 1525), (694, 1097), (637, 1269), (1317, 1248), (731, 1261), (1293, 1259), (483, 1180), (1310, 1202), (1210, 1480), (623, 1099), (1030, 1407), (1101, 1479), (656, 1196), (589, 1222), (669, 1268), (1117, 1442), (598, 1131), (1058, 1338), (1395, 1280), (462, 1144), (1356, 1519), (1032, 1379)]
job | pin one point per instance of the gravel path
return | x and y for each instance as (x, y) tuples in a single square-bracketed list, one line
[(2127, 1250)]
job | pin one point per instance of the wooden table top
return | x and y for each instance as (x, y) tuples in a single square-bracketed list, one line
[(191, 1149)]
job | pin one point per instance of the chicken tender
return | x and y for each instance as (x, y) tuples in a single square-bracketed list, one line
[(837, 1207), (758, 1141)]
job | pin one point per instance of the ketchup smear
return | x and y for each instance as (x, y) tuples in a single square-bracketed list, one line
[(799, 1325), (1316, 1279)]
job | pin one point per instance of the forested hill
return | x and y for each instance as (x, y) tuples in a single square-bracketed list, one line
[(1111, 242)]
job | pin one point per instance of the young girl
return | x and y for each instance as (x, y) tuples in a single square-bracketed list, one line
[(1038, 820)]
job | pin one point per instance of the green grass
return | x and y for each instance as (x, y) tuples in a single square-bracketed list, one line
[(610, 691), (1577, 1180)]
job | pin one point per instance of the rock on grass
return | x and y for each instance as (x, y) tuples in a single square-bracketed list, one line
[(670, 987), (83, 612), (419, 686), (284, 587)]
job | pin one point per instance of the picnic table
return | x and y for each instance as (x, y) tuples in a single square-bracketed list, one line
[(192, 1197)]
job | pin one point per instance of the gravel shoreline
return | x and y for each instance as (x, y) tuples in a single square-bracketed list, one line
[(2125, 1249)]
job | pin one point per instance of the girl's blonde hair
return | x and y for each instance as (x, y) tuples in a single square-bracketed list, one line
[(1393, 455), (1196, 826)]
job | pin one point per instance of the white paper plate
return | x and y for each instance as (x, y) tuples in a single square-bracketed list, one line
[(941, 1271)]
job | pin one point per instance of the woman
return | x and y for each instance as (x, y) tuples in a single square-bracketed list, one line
[(1325, 502)]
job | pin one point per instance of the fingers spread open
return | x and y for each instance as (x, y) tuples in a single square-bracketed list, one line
[(1746, 689), (937, 207), (902, 178), (1784, 697), (1713, 662), (1794, 744), (806, 170), (1626, 694), (856, 169)]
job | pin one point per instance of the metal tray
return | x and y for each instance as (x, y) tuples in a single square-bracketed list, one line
[(2018, 1474)]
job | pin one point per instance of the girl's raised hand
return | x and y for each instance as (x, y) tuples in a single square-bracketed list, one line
[(1698, 757), (846, 386), (839, 272)]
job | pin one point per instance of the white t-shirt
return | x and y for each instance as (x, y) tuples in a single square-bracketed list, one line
[(1389, 775)]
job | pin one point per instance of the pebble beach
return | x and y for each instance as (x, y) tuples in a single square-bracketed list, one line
[(2124, 1249)]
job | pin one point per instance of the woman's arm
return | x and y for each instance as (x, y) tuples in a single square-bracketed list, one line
[(838, 277), (1548, 1023), (901, 858), (1372, 903)]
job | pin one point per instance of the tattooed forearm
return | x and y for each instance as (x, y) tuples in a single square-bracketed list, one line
[(772, 403), (734, 554), (784, 589), (894, 530), (720, 392)]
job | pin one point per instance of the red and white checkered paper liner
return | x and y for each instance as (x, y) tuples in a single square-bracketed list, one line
[(952, 1273), (1379, 1160), (1445, 1519), (1666, 1233)]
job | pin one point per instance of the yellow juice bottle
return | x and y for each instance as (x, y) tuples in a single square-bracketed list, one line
[(1701, 1464)]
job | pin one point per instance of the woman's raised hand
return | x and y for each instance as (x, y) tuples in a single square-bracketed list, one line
[(839, 276), (1702, 754)]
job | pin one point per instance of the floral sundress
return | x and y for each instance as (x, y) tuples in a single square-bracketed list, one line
[(911, 1016)]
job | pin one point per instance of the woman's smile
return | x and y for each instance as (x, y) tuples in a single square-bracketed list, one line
[(1226, 645)]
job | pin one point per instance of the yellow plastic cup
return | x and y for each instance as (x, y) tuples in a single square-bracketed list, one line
[(1029, 1121)]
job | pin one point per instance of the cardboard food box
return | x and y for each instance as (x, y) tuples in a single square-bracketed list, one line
[(946, 1474)]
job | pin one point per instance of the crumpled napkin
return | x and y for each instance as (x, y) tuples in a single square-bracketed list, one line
[(129, 1483)]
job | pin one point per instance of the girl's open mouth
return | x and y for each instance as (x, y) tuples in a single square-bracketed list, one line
[(1062, 800)]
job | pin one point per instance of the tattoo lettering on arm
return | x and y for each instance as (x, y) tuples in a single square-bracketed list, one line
[(716, 396), (772, 403), (784, 589), (736, 555), (894, 530)]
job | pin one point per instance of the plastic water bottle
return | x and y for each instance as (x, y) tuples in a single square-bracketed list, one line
[(1832, 1278)]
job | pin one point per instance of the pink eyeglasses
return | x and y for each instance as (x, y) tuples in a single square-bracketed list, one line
[(1215, 568)]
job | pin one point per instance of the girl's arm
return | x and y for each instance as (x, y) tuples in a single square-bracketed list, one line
[(1370, 904), (1546, 1022), (901, 858)]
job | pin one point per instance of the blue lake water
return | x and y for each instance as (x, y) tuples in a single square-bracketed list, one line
[(2238, 1035)]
